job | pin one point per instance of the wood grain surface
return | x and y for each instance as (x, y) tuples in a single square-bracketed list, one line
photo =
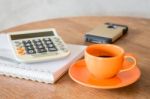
[(137, 41)]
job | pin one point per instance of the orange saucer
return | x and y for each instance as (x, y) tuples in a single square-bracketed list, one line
[(79, 73)]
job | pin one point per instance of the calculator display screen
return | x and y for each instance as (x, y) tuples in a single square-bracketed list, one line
[(32, 35)]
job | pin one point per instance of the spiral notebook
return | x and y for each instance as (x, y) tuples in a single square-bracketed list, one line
[(47, 72)]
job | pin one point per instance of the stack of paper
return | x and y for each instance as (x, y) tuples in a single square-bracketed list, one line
[(47, 72)]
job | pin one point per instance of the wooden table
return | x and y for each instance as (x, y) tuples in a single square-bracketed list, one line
[(137, 41)]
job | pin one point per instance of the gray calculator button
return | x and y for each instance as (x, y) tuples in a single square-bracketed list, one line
[(46, 39), (39, 46), (27, 43), (49, 45), (48, 42), (31, 51), (29, 47), (38, 43), (36, 40), (52, 49), (17, 43), (41, 50)]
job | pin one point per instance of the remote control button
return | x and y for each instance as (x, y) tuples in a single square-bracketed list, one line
[(52, 49), (41, 50)]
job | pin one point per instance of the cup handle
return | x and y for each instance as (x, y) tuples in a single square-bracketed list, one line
[(131, 59)]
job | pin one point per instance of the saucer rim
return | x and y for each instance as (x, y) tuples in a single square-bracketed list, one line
[(103, 87)]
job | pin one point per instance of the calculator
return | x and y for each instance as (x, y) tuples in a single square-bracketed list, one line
[(37, 45)]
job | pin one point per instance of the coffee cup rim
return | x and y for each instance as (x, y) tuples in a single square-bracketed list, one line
[(121, 51)]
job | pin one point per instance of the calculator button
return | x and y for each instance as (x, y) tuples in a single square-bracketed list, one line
[(49, 45), (29, 47), (46, 39), (27, 43), (38, 43), (41, 50), (52, 49), (39, 46), (36, 40), (47, 42), (31, 51), (17, 43), (20, 48), (21, 51)]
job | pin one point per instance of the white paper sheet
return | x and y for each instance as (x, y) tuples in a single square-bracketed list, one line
[(47, 72)]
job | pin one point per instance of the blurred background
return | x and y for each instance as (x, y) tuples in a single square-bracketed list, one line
[(16, 12)]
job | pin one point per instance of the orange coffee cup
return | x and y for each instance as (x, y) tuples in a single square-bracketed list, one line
[(106, 60)]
